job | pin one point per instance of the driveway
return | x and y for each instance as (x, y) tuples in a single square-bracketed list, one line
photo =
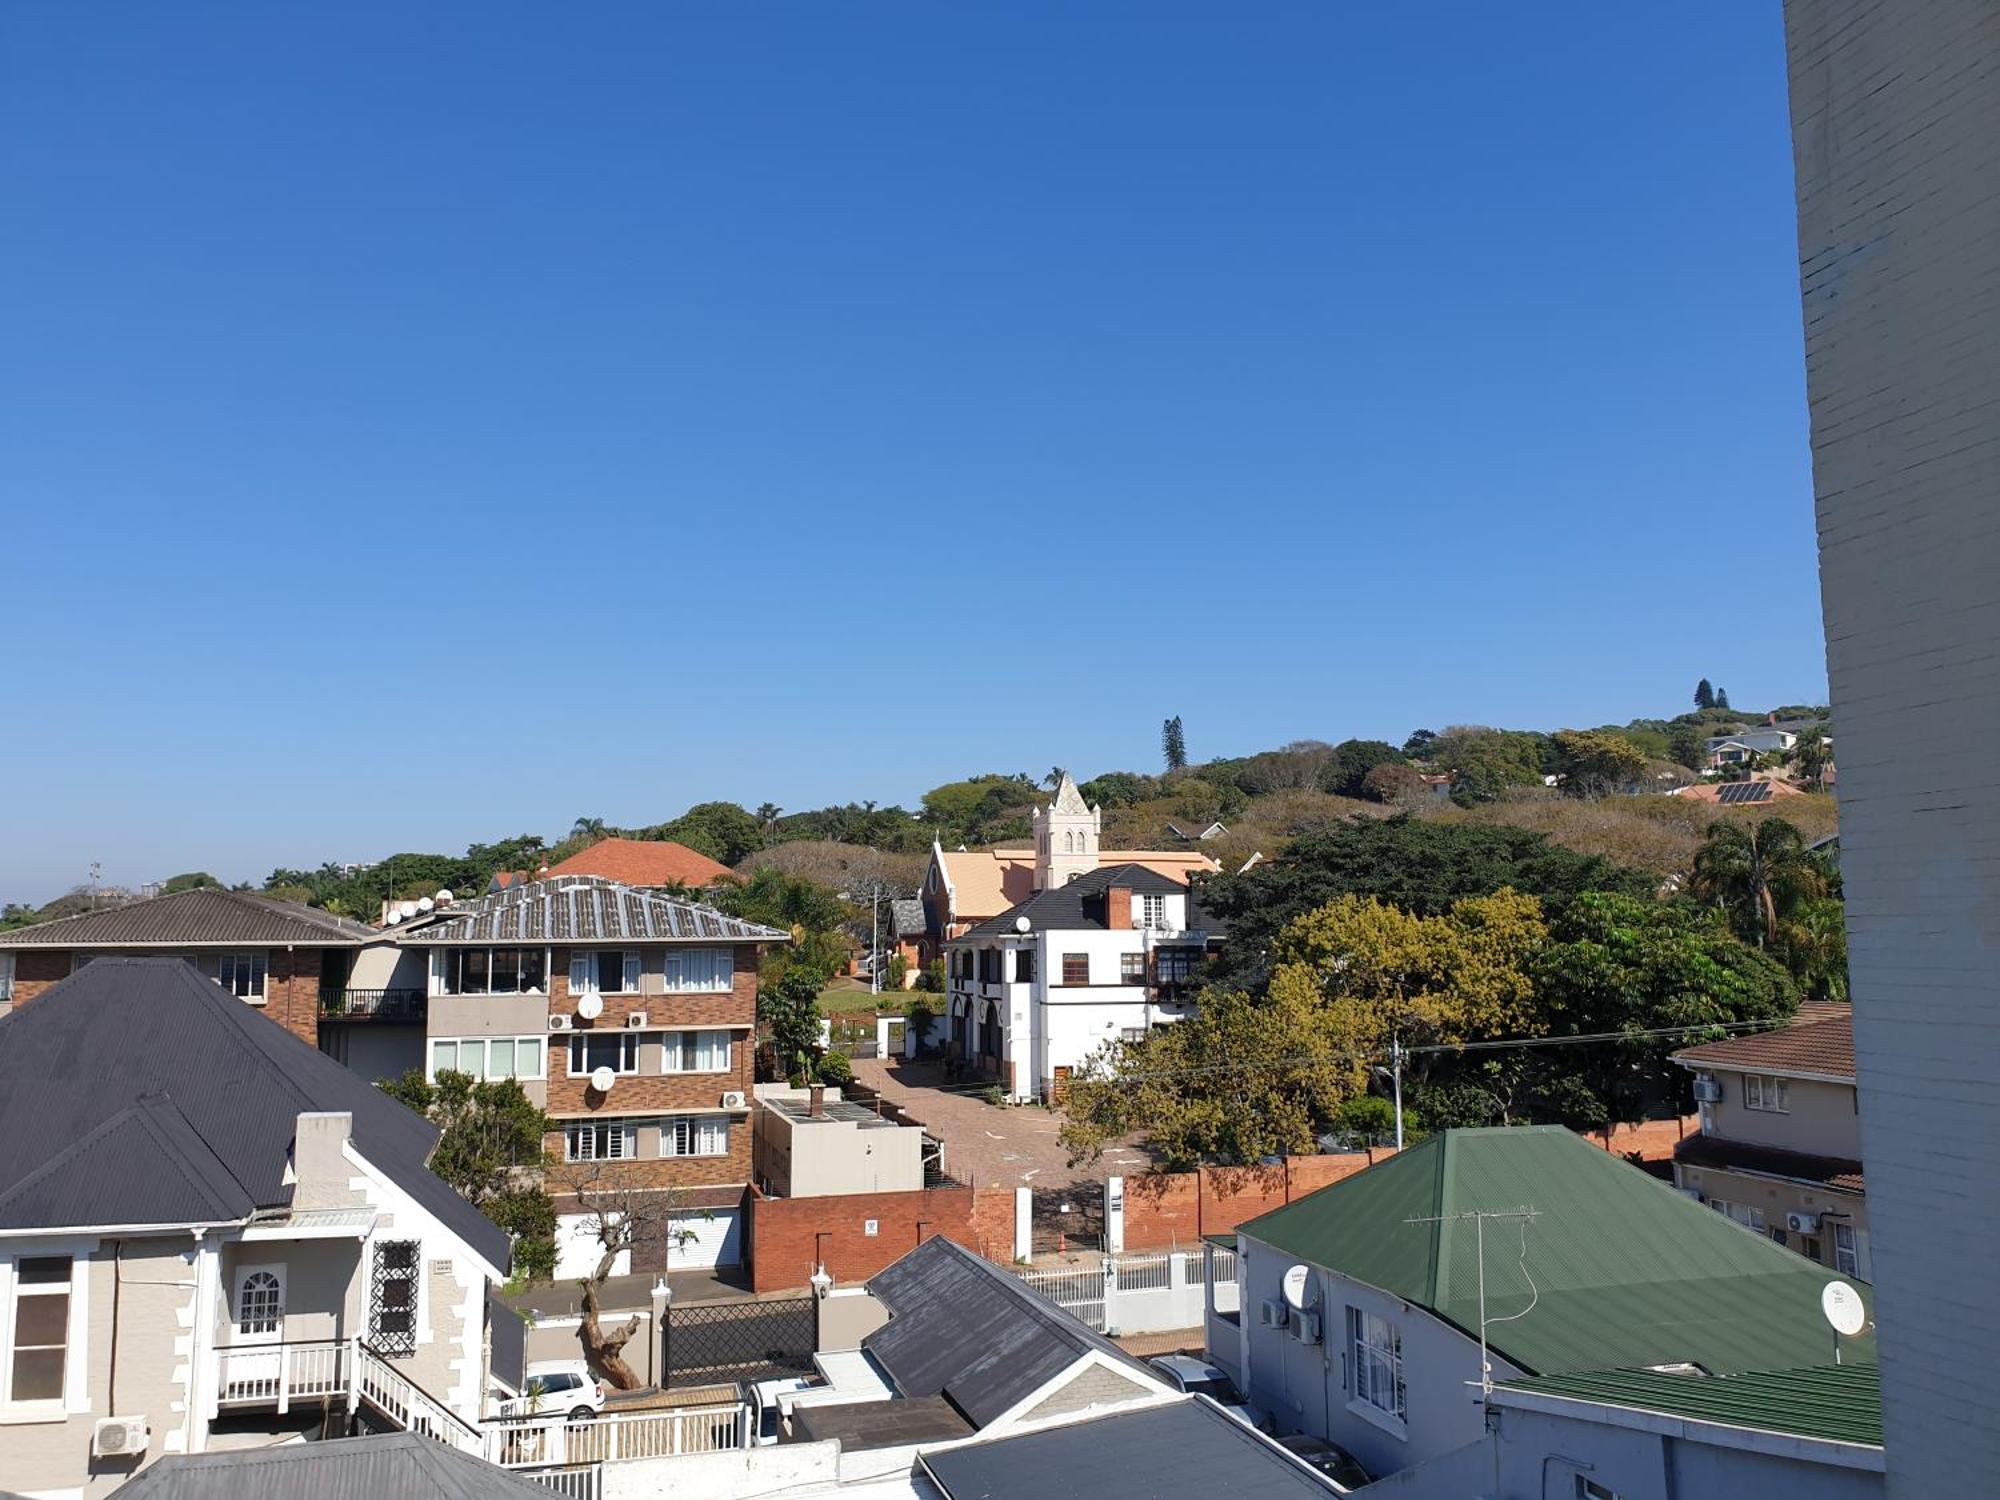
[(987, 1145)]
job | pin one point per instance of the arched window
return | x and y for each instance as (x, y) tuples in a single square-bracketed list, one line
[(260, 1303)]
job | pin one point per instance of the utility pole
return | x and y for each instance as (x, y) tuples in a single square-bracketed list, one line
[(1396, 1076), (1479, 1216), (875, 947)]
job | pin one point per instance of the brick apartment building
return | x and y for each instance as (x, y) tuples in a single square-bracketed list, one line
[(631, 1016)]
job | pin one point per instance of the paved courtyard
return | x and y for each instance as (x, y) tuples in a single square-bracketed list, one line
[(984, 1144)]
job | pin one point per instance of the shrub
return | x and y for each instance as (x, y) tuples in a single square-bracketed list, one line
[(835, 1069)]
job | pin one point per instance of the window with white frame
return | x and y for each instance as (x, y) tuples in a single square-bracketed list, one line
[(695, 1052), (608, 971), (1590, 1489), (38, 1328), (1377, 1347), (616, 1050), (242, 974), (6, 976), (260, 1302), (1749, 1216), (492, 1057), (700, 971), (1772, 1095), (1846, 1250), (1153, 913), (707, 1135), (491, 971), (601, 1140)]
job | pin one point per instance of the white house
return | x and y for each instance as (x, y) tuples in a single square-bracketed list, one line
[(1110, 954)]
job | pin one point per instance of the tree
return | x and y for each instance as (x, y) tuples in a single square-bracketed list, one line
[(1119, 789), (1054, 778), (193, 881), (721, 830), (490, 1153), (1347, 774), (1812, 755), (592, 829), (1418, 745), (778, 899), (1396, 783), (1684, 745), (1704, 695), (1594, 764), (1173, 744), (1721, 698), (1485, 762), (620, 1216), (1756, 873), (788, 1010)]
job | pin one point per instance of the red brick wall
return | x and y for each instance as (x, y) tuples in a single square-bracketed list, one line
[(291, 984), (35, 969), (1165, 1209), (1118, 909), (790, 1236)]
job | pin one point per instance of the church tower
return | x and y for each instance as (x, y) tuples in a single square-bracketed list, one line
[(1065, 837)]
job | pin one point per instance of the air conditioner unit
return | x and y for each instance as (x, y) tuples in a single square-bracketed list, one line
[(652, 984), (559, 1023), (1309, 1328), (1802, 1223), (119, 1437), (1708, 1091), (734, 1099), (1273, 1314), (636, 1018)]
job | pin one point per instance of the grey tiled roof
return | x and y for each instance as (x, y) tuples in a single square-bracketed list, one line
[(1081, 904), (137, 1092), (907, 915), (194, 919), (585, 909), (391, 1466)]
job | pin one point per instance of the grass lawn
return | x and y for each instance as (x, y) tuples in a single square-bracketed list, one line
[(847, 995)]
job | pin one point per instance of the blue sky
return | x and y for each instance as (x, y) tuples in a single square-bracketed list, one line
[(421, 424)]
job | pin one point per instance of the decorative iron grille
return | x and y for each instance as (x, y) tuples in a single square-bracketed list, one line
[(707, 1343), (392, 1298)]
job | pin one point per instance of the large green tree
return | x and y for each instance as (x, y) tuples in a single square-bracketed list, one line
[(1594, 764), (1757, 873), (721, 830), (788, 1012), (1347, 773)]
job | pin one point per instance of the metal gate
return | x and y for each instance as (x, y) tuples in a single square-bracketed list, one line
[(713, 1343)]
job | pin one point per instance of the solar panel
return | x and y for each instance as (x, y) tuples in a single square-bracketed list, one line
[(1741, 793)]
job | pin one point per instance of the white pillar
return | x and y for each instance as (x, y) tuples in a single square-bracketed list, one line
[(1024, 1224), (1114, 1215)]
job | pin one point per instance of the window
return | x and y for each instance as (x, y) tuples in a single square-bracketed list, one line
[(38, 1352), (487, 1057), (1176, 965), (601, 1140), (707, 1136), (700, 970), (1024, 965), (1590, 1489), (6, 976), (242, 974), (1076, 968), (989, 965), (1765, 1093), (1131, 968), (1378, 1361), (1153, 913), (1846, 1250), (1739, 1213), (695, 1052), (260, 1303), (609, 971), (491, 971), (392, 1297), (616, 1050)]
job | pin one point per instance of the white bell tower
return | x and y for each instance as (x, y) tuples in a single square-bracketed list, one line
[(1065, 837)]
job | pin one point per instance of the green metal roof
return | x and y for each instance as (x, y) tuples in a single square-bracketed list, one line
[(1616, 1269), (1842, 1403)]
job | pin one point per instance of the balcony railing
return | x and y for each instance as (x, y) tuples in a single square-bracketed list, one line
[(279, 1374), (373, 1005)]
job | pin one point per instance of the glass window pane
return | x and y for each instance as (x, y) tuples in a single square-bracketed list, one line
[(38, 1375), (42, 1270), (476, 970), (41, 1321), (506, 971), (444, 1057), (534, 970), (500, 1058), (531, 1057)]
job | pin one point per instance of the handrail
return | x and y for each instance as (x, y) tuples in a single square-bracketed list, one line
[(408, 1404), (610, 1437)]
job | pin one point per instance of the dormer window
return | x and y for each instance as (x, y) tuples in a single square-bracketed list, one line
[(1153, 913)]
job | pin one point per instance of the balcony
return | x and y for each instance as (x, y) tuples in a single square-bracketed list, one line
[(403, 1007)]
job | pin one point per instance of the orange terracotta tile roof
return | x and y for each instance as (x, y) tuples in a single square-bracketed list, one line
[(1821, 1047), (645, 862)]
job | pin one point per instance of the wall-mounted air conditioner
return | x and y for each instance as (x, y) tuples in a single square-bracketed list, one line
[(734, 1099), (1802, 1223), (119, 1437), (636, 1018), (559, 1023), (1309, 1328), (1273, 1314), (1708, 1091)]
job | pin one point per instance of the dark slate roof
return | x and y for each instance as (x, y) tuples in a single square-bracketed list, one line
[(1616, 1269), (1840, 1174), (1837, 1403), (1079, 905), (962, 1328), (585, 909), (137, 1092), (907, 915), (392, 1466), (1189, 1448), (881, 1424), (208, 917)]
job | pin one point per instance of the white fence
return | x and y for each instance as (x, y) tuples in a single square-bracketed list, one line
[(279, 1374), (1159, 1292), (551, 1442)]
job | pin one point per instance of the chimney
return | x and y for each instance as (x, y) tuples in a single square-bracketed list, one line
[(816, 1101), (320, 1169), (1118, 908)]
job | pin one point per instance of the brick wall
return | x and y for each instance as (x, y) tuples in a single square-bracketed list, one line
[(1118, 908), (790, 1236), (35, 969), (291, 983), (1165, 1209)]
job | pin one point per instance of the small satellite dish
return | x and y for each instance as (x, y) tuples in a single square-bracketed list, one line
[(601, 1079), (1022, 924), (444, 898), (424, 903), (590, 1005), (1844, 1308), (1294, 1287)]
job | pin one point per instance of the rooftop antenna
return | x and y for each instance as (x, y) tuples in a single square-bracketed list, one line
[(1479, 1216), (96, 867)]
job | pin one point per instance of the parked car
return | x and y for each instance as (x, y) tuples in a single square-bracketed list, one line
[(1199, 1378), (1330, 1459), (557, 1388)]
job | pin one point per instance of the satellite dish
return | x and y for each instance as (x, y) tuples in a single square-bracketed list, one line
[(1022, 924), (590, 1005), (1844, 1308), (444, 898), (424, 903), (1294, 1287), (601, 1079)]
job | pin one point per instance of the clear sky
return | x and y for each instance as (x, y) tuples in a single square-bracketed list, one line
[(431, 423)]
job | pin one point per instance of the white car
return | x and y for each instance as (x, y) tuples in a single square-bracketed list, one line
[(557, 1388), (1199, 1378)]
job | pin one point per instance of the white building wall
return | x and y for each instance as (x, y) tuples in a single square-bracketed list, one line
[(1896, 140)]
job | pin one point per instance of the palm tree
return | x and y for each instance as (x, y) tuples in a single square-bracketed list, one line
[(588, 828), (1756, 872), (767, 813), (1054, 778), (1812, 755)]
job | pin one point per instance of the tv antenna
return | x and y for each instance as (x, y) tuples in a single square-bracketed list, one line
[(1479, 1216)]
